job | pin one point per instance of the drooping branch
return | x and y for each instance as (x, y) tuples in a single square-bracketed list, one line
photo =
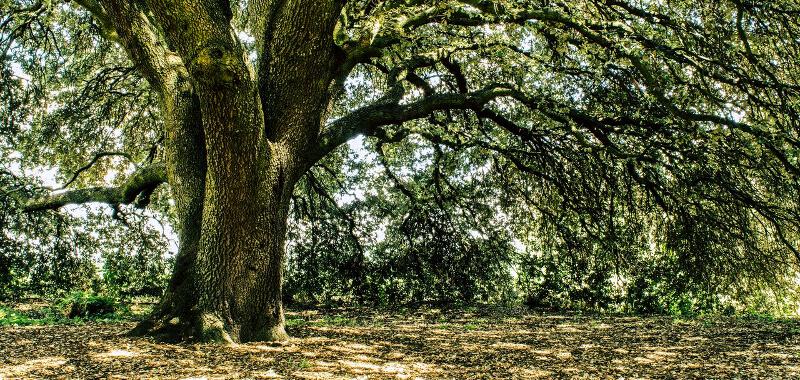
[(91, 163), (142, 181)]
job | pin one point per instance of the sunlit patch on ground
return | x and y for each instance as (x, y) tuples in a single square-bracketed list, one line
[(360, 344)]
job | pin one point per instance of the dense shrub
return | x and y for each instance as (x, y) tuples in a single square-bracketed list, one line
[(86, 305), (91, 248)]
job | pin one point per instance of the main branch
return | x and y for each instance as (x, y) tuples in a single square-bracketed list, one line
[(368, 119)]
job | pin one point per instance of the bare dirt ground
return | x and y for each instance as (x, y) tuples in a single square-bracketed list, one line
[(423, 344)]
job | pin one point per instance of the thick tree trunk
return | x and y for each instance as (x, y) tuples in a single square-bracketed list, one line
[(227, 281), (239, 295), (230, 288), (236, 144), (231, 188), (186, 171)]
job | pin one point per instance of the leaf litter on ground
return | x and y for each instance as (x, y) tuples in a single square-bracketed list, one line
[(424, 343)]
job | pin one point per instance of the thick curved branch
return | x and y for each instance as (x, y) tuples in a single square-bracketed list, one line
[(396, 23), (367, 120), (142, 181), (125, 23)]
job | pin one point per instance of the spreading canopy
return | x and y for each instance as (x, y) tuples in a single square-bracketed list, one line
[(608, 129)]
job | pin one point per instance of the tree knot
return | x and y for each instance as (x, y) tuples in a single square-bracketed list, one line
[(219, 63)]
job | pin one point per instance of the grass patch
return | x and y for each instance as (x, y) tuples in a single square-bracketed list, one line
[(295, 322), (52, 316), (326, 321), (338, 320), (11, 317), (36, 317)]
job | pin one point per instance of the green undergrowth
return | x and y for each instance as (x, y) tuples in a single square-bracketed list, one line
[(84, 307), (72, 309), (323, 321)]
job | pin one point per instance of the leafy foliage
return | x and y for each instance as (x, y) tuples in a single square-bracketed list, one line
[(41, 254), (51, 253), (643, 156)]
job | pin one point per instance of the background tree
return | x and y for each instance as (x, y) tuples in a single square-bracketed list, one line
[(605, 129)]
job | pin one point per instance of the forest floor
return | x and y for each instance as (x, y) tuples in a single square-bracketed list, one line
[(429, 343)]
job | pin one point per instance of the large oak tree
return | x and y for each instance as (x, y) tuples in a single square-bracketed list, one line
[(692, 103)]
